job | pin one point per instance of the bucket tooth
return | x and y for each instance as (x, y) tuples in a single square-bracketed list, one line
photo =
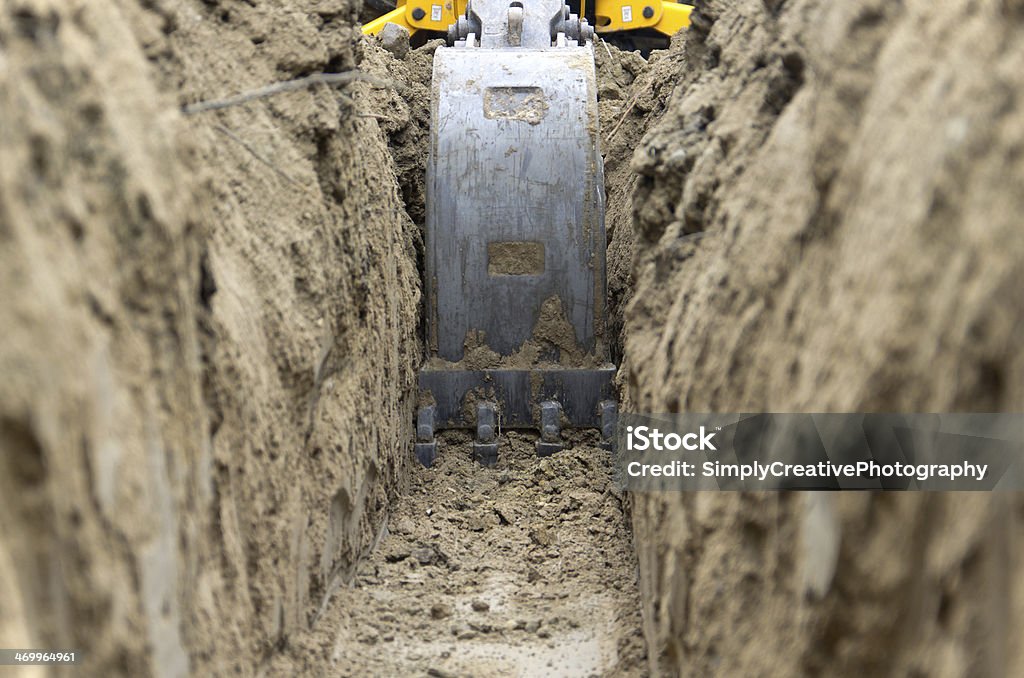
[(550, 429), (426, 446), (609, 413), (485, 448)]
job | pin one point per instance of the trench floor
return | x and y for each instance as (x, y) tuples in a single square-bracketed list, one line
[(525, 569)]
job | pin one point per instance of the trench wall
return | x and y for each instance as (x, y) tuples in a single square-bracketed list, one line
[(826, 217), (209, 332)]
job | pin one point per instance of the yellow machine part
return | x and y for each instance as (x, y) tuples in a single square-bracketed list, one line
[(664, 16), (419, 15)]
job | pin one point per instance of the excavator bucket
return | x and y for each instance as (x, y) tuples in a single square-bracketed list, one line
[(515, 240)]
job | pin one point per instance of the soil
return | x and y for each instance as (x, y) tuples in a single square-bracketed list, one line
[(403, 112), (552, 344), (632, 94), (210, 330), (516, 570), (825, 217)]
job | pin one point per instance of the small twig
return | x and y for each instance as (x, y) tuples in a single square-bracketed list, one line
[(632, 102), (241, 142), (603, 42), (283, 86), (376, 116)]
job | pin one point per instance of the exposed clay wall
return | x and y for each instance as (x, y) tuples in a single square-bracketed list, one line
[(827, 218), (208, 332)]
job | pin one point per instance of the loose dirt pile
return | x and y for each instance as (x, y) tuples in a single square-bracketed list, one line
[(827, 218), (518, 570)]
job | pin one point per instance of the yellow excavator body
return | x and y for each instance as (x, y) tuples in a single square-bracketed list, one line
[(665, 16)]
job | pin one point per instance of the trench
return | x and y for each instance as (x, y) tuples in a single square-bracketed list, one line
[(523, 569), (211, 335)]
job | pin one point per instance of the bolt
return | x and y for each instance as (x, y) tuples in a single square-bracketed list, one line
[(648, 12), (418, 13)]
